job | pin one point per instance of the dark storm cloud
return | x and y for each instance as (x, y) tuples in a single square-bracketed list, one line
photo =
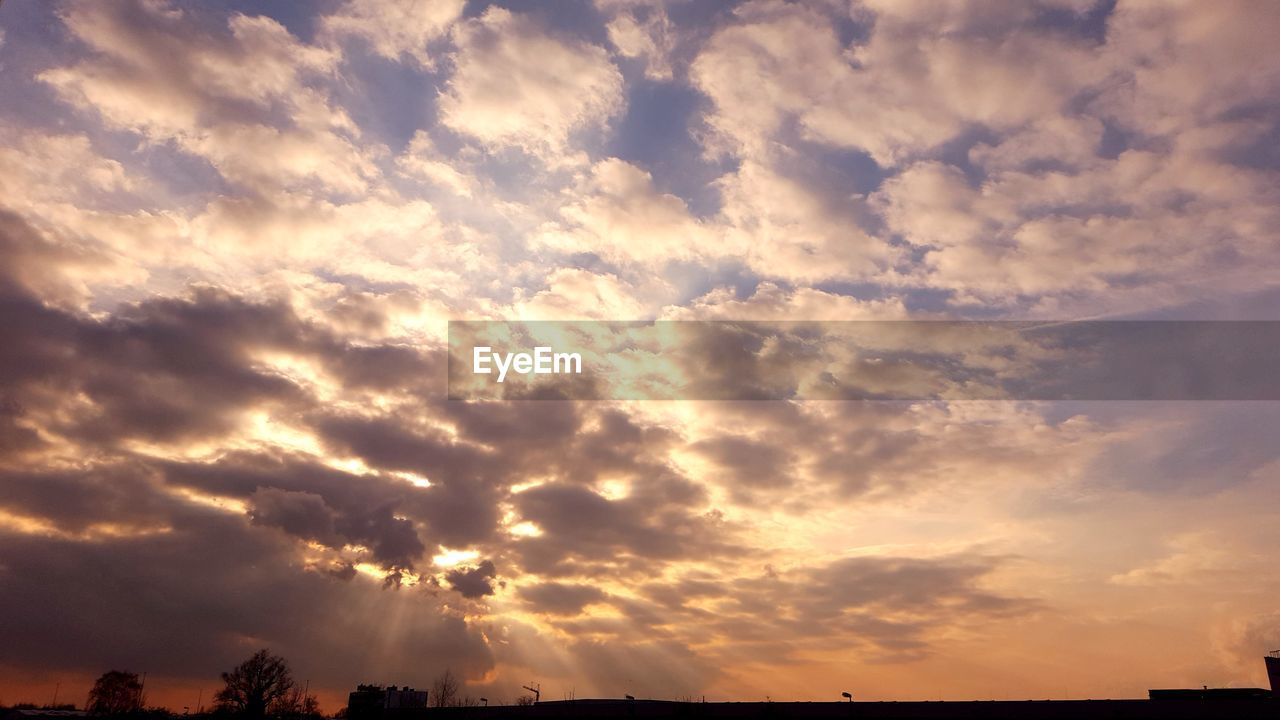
[(616, 445), (584, 531), (15, 438), (675, 594), (135, 574), (164, 370), (391, 443), (561, 598), (388, 367), (524, 427), (945, 584), (198, 598), (298, 513), (393, 541), (460, 507), (316, 502), (126, 493), (888, 605), (748, 462), (473, 582)]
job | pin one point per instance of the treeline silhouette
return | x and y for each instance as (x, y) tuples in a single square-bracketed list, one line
[(446, 692), (260, 687)]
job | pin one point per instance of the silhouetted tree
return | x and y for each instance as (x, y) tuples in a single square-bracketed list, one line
[(256, 686), (444, 691), (295, 704), (524, 700), (115, 692)]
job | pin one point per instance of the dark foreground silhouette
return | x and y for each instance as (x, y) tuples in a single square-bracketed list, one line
[(1163, 704), (1181, 709)]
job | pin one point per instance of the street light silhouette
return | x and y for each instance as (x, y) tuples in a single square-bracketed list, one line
[(847, 695), (485, 701), (537, 692)]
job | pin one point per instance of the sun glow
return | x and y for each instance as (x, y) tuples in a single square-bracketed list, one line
[(452, 558), (218, 502)]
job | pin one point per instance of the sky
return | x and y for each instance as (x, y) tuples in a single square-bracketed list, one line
[(232, 235)]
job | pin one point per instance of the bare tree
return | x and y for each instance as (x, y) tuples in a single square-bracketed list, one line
[(116, 692), (295, 703), (524, 700), (444, 691), (256, 685)]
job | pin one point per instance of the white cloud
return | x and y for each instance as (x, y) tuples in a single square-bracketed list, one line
[(1178, 66), (38, 168), (785, 227), (618, 214), (643, 31), (771, 302), (516, 86), (907, 90), (423, 161), (575, 294), (1194, 557), (396, 27), (239, 99)]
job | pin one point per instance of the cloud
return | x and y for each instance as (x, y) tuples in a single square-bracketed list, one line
[(1193, 558), (229, 242), (514, 85), (925, 83), (150, 606), (298, 513), (237, 97), (561, 598), (397, 28), (621, 216), (642, 31), (582, 529), (743, 461), (798, 230), (56, 269), (574, 293), (473, 582), (653, 668), (57, 167), (772, 302), (422, 160), (886, 607), (1162, 55)]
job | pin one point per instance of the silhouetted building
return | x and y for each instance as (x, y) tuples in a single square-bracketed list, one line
[(1210, 694), (371, 701)]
